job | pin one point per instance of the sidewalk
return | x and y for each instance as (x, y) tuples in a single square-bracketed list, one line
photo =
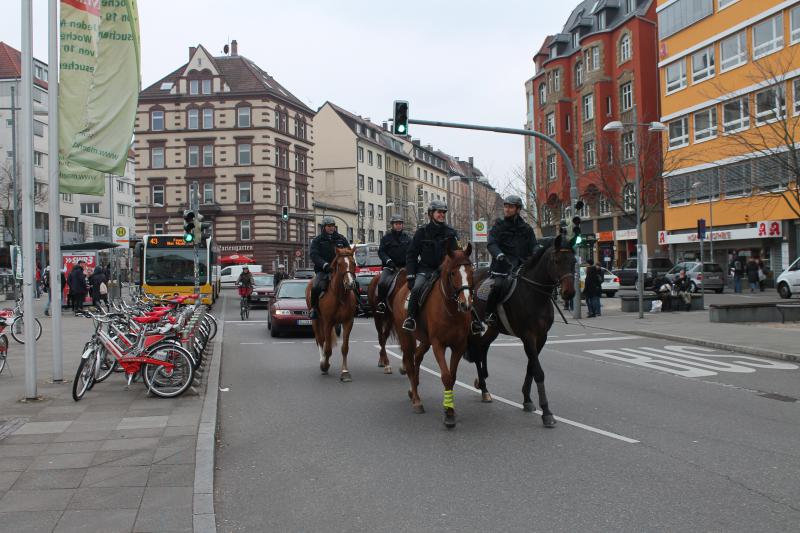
[(118, 460), (778, 341)]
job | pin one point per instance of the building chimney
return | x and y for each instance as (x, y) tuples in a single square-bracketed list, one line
[(471, 160), (385, 126), (192, 50), (234, 48)]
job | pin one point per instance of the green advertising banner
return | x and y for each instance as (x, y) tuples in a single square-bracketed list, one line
[(99, 87)]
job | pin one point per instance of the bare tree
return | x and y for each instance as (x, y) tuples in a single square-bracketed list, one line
[(7, 197), (533, 205)]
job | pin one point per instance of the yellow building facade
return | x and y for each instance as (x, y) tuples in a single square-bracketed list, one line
[(730, 96)]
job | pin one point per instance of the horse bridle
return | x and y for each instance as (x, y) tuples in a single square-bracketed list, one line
[(456, 291), (336, 271), (547, 288)]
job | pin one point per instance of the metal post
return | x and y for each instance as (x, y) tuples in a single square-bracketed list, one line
[(194, 204), (53, 193), (639, 262), (471, 180), (702, 285), (14, 180), (26, 153), (711, 222)]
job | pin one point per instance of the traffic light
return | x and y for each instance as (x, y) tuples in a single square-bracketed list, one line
[(188, 225), (400, 125), (577, 237), (205, 231), (198, 229), (285, 213)]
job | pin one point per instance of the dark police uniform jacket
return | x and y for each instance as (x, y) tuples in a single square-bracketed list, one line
[(394, 246), (514, 238), (323, 248), (429, 246)]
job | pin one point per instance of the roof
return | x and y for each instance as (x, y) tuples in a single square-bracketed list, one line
[(352, 118), (241, 74), (11, 64)]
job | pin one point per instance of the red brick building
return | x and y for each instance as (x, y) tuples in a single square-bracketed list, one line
[(601, 67)]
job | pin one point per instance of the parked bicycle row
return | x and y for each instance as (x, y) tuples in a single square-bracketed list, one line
[(160, 341)]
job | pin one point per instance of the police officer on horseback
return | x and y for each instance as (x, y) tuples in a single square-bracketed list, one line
[(511, 241), (425, 256), (323, 252), (392, 251)]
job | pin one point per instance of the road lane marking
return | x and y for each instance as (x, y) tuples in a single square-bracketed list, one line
[(576, 335), (519, 406), (563, 341), (251, 343), (247, 322)]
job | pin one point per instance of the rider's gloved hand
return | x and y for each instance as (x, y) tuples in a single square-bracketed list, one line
[(389, 264), (501, 258), (326, 267), (410, 280)]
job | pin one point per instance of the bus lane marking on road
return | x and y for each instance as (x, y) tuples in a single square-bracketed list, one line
[(506, 401), (690, 361)]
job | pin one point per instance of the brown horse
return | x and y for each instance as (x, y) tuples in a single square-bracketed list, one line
[(337, 307), (443, 322), (528, 314), (384, 322)]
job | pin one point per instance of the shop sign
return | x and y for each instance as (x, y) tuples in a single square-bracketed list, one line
[(625, 234), (764, 229), (605, 236)]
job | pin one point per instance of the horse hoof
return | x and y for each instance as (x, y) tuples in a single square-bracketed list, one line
[(402, 371), (486, 398), (449, 419), (345, 377), (549, 421), (381, 365), (418, 409), (387, 369), (324, 372), (528, 407)]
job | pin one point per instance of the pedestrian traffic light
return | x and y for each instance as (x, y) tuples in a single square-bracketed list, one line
[(400, 124), (188, 225), (205, 231), (285, 213), (701, 228), (198, 229)]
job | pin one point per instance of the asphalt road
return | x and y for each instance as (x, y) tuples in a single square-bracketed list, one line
[(652, 437)]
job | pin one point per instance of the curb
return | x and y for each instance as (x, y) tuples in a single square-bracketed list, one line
[(762, 352), (204, 518)]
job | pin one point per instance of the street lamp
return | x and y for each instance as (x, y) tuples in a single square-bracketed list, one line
[(652, 127)]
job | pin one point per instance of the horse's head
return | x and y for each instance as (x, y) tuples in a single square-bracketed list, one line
[(344, 264), (561, 267), (457, 275)]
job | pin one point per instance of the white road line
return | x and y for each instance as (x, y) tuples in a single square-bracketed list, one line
[(519, 406), (563, 341), (576, 335), (251, 343), (247, 322)]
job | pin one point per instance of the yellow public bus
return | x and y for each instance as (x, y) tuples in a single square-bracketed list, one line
[(166, 266)]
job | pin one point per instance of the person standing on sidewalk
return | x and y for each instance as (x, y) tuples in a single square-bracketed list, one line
[(98, 287), (752, 274), (737, 267), (593, 288), (77, 286)]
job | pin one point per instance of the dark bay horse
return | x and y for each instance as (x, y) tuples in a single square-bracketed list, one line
[(443, 322), (384, 323), (336, 307), (528, 315)]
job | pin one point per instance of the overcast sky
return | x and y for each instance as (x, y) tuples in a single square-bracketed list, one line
[(453, 60)]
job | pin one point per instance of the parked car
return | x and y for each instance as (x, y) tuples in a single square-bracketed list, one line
[(304, 273), (288, 311), (363, 280), (610, 284), (788, 283), (230, 274), (263, 287), (711, 277), (656, 267)]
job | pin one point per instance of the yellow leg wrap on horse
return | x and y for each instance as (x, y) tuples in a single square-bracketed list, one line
[(449, 400)]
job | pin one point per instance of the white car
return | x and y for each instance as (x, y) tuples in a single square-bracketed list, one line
[(610, 284), (788, 282)]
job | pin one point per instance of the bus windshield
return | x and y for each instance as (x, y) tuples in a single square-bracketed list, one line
[(174, 266), (367, 256)]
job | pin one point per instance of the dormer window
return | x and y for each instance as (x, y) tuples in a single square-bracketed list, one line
[(553, 52), (194, 87), (576, 39), (601, 20), (206, 86)]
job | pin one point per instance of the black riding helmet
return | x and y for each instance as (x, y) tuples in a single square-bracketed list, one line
[(513, 199), (437, 205), (397, 218)]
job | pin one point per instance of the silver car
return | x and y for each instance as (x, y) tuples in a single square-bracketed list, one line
[(711, 277)]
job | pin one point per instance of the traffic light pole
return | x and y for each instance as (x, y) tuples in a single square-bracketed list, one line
[(194, 205), (573, 181)]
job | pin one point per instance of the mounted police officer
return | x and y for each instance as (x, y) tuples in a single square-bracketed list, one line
[(511, 241), (323, 252), (425, 255), (392, 251)]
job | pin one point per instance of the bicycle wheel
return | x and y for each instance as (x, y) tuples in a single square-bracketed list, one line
[(173, 382), (18, 329), (106, 366), (3, 351), (211, 322), (84, 377)]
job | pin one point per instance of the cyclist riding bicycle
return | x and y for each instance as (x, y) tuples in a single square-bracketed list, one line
[(245, 283)]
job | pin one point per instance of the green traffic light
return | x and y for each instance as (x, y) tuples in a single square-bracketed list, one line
[(401, 128), (188, 237), (578, 240)]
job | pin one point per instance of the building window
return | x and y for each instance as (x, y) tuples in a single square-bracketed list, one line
[(282, 120), (380, 161), (194, 87), (158, 228), (193, 119), (627, 146), (601, 20), (282, 194), (369, 157), (629, 5), (551, 167), (794, 24), (208, 193), (736, 115), (578, 74), (208, 118), (557, 80), (66, 197), (99, 230), (157, 120), (206, 86), (158, 195), (208, 155), (299, 127), (589, 154), (676, 76), (681, 14), (679, 132), (243, 154), (542, 93), (625, 48), (90, 209), (737, 179), (567, 125), (361, 208), (551, 124), (300, 162), (576, 39), (380, 187), (245, 233), (360, 154), (770, 105), (243, 116), (361, 182), (703, 64), (300, 197), (370, 185), (380, 212), (626, 96), (38, 159), (282, 156), (245, 192), (588, 107), (705, 124), (595, 63), (629, 198), (371, 210), (721, 4), (768, 36), (604, 206), (157, 157), (733, 51), (194, 156), (121, 210)]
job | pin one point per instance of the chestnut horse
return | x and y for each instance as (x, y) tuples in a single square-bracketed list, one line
[(384, 322), (528, 315), (443, 322), (337, 307)]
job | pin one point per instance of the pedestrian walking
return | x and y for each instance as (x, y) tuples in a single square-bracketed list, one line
[(98, 284), (593, 289), (763, 272), (737, 269), (38, 280), (752, 271), (77, 286)]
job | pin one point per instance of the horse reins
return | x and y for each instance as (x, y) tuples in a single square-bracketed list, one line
[(547, 288), (456, 291)]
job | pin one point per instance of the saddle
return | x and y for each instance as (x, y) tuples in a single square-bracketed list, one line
[(508, 286), (426, 289)]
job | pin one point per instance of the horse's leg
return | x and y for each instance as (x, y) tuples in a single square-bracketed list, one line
[(440, 352), (327, 332), (413, 375), (319, 337), (538, 376), (383, 337), (348, 326), (530, 351)]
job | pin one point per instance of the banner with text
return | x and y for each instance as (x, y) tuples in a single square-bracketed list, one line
[(99, 89)]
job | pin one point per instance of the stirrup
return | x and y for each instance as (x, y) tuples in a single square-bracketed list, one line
[(477, 328), (491, 319), (409, 324), (380, 308)]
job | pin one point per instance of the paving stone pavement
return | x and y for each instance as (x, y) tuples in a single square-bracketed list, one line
[(118, 460)]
